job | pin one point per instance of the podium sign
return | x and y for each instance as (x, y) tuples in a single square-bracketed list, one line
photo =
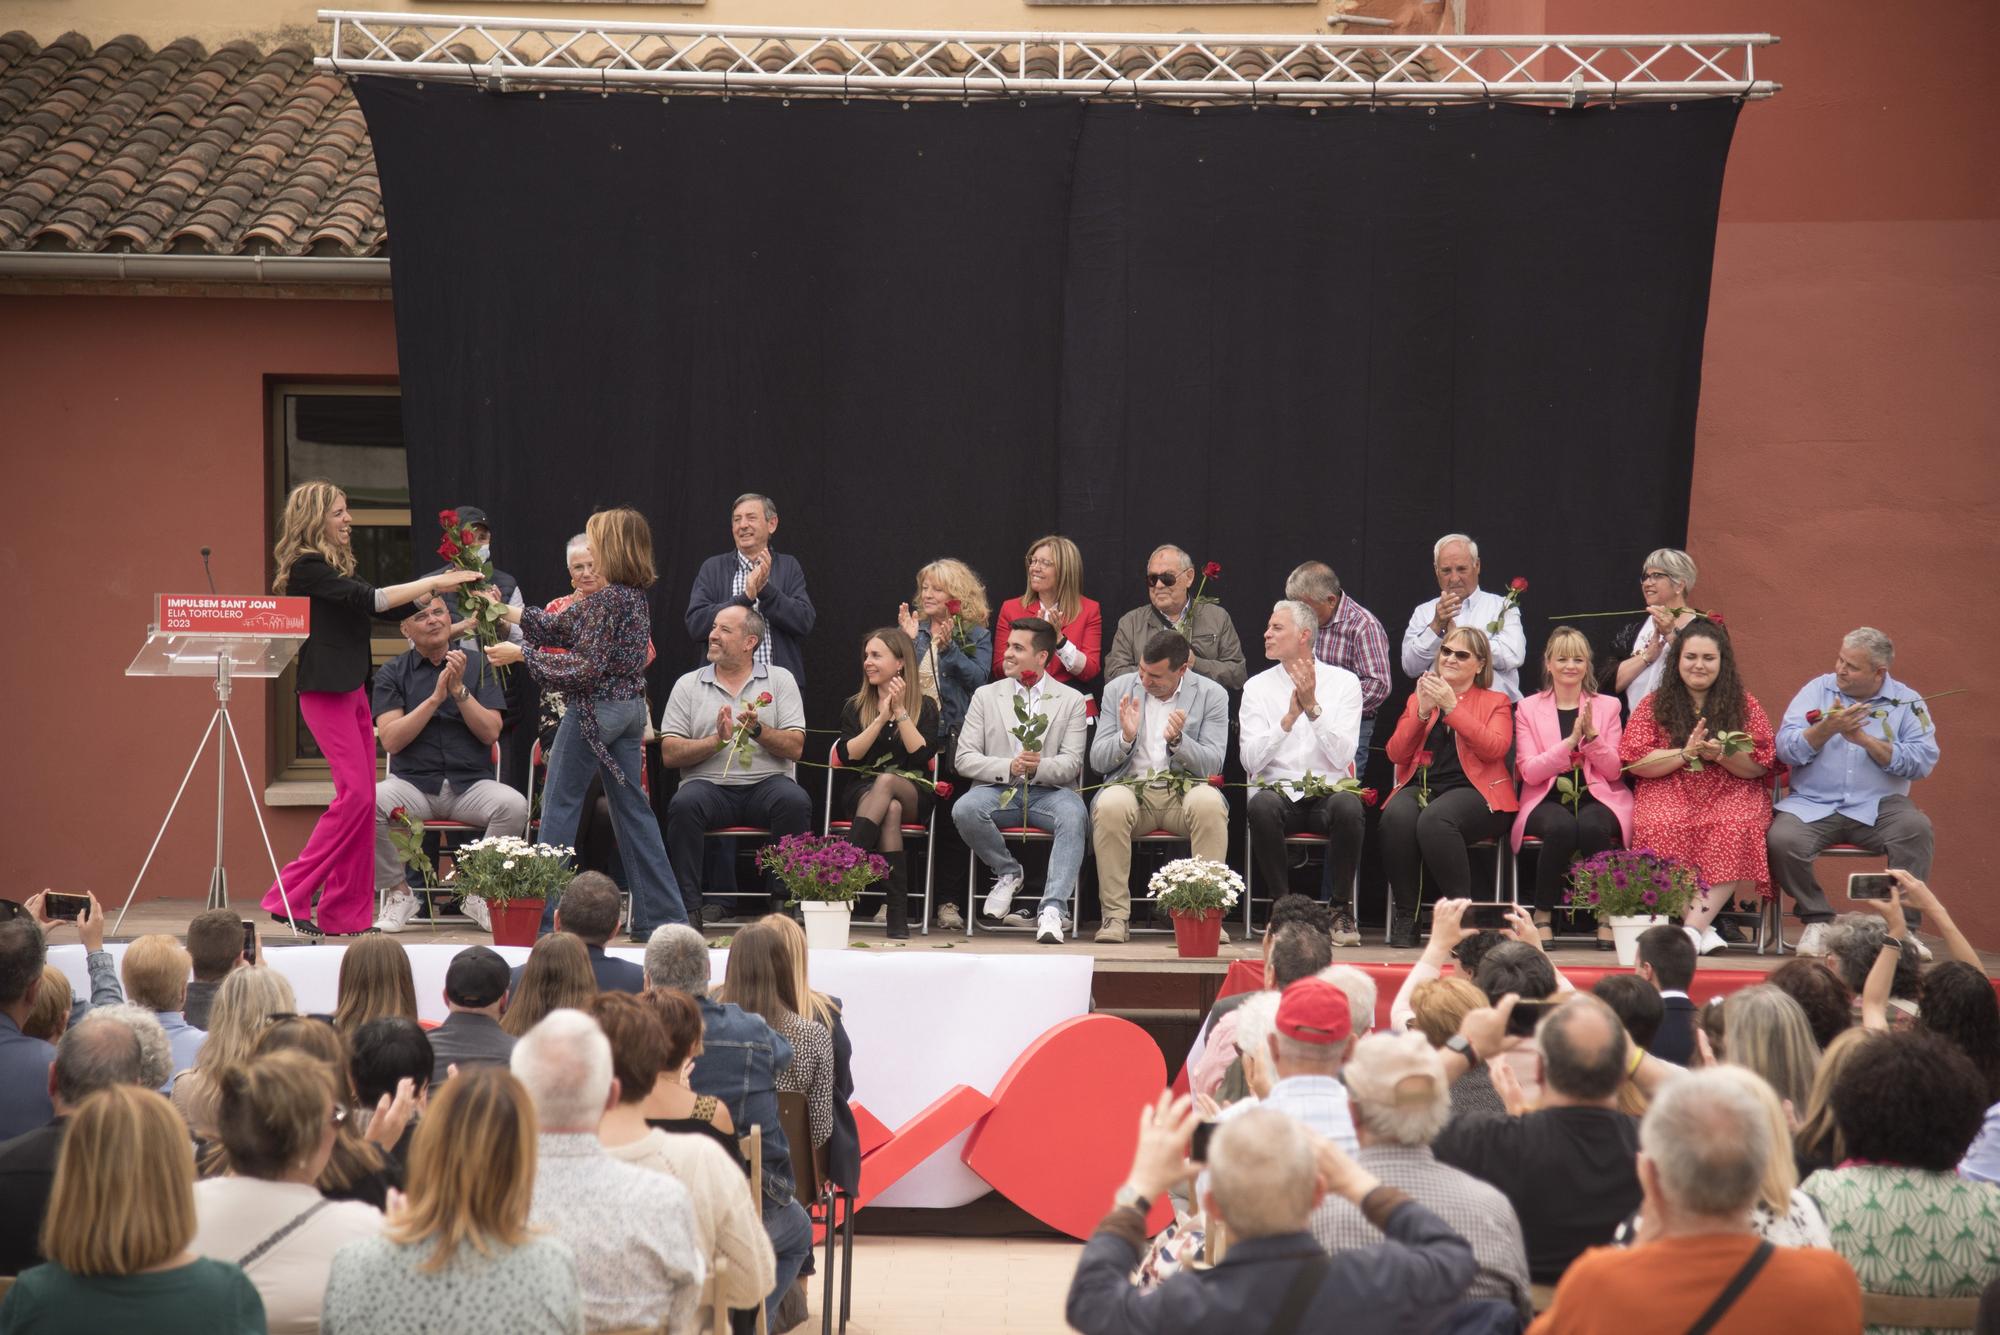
[(213, 614), (194, 634)]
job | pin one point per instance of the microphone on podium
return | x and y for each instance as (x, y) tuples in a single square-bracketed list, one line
[(206, 571)]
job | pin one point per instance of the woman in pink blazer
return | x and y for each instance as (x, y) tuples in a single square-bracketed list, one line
[(1566, 731)]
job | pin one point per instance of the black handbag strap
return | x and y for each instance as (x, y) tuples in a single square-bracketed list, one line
[(1305, 1284), (256, 1253), (1727, 1298)]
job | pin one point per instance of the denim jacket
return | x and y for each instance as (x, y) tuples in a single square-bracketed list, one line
[(739, 1064)]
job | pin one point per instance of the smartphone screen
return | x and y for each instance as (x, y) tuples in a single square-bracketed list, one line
[(250, 942), (1864, 885), (1485, 915), (1198, 1151), (64, 908)]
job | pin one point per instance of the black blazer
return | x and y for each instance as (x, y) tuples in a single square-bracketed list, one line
[(335, 655), (786, 608), (1675, 1040)]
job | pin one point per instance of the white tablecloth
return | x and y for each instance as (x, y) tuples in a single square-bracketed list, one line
[(922, 1020)]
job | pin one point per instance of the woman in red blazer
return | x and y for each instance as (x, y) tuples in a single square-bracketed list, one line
[(1566, 729), (1452, 786), (1055, 594)]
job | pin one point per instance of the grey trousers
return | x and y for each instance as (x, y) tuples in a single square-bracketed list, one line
[(1900, 830), (493, 806)]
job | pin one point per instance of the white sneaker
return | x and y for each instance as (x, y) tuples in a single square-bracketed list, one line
[(473, 907), (1706, 940), (1049, 928), (397, 908), (1002, 894), (948, 917), (1812, 941)]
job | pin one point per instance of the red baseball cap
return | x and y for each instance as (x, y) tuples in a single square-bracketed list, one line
[(1313, 1010)]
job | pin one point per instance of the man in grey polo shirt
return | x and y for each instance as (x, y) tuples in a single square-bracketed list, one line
[(722, 783)]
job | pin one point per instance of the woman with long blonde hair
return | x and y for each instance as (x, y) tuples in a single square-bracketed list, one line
[(1769, 1034), (118, 1231), (375, 981), (1818, 1143), (1055, 594), (604, 637), (843, 1150), (888, 724), (314, 558), (557, 976), (244, 1004), (459, 1254), (759, 977)]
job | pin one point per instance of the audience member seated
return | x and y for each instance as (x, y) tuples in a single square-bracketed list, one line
[(719, 787), (1817, 1143), (1401, 1101), (1960, 1007), (101, 968), (888, 725), (1635, 1002), (1666, 960), (1452, 786), (244, 1005), (843, 1151), (1712, 816), (1768, 1034), (632, 1230), (743, 1056), (590, 910), (1311, 1041), (375, 980), (1439, 1007), (215, 946), (1267, 1174), (673, 1106), (728, 1230), (438, 712), (1301, 717), (119, 1243), (1567, 730), (1360, 991), (1706, 1144), (1170, 607), (1850, 783), (557, 976), (1461, 603), (99, 1052), (461, 1255), (1256, 1020), (52, 1005), (1292, 950), (475, 991), (1908, 1106), (278, 1120), (1567, 1166), (1162, 732), (758, 977), (1821, 994), (155, 973), (1854, 941), (1784, 1214), (361, 1167), (1055, 596), (24, 1061), (1042, 782), (389, 1063)]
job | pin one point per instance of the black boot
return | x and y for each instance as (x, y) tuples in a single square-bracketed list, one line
[(899, 896), (1402, 930), (865, 834)]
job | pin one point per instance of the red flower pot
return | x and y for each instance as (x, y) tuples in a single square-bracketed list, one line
[(1196, 935), (516, 922)]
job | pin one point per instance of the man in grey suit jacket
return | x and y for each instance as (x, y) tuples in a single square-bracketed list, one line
[(1037, 781), (1162, 732)]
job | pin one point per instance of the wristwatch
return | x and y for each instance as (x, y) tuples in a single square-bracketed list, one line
[(1462, 1045), (1313, 713), (1129, 1195), (756, 730)]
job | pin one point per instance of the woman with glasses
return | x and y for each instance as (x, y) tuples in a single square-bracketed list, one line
[(1055, 594), (1452, 786), (1665, 581)]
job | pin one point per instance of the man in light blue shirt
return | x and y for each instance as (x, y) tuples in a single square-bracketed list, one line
[(1855, 739)]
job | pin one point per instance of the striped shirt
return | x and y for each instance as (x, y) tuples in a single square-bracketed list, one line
[(1355, 640), (744, 565)]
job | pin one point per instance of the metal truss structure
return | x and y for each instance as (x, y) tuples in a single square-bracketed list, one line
[(516, 53)]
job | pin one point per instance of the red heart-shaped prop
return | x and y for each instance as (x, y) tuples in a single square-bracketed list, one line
[(1065, 1122)]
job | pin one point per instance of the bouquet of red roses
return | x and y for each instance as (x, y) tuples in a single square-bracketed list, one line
[(461, 552)]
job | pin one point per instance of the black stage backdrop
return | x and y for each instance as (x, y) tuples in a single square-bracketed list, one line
[(944, 329)]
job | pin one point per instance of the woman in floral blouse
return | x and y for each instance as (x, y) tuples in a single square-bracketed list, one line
[(759, 978)]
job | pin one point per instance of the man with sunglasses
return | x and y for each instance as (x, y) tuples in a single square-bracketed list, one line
[(1461, 602), (1170, 605)]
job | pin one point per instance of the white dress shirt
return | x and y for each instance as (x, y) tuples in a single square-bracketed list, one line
[(1149, 747), (1325, 746), (1480, 609), (1034, 701)]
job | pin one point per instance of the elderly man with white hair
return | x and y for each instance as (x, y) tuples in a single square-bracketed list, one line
[(632, 1230), (1401, 1100), (1461, 602), (1855, 738), (1699, 1263)]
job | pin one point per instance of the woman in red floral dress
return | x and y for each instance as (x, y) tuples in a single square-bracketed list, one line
[(1692, 802)]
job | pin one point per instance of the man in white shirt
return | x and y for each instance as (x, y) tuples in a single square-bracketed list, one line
[(1461, 602), (1300, 717), (1039, 785)]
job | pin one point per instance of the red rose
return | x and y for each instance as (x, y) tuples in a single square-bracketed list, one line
[(468, 537), (1423, 758), (448, 518), (954, 606), (1029, 678), (943, 789), (1716, 619), (1211, 571), (1814, 716), (397, 813), (1575, 759), (448, 549), (1215, 781), (1369, 797), (1517, 584), (764, 698)]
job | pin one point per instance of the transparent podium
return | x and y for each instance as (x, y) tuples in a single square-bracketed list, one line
[(226, 638)]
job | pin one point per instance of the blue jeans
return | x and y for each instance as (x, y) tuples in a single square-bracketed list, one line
[(791, 1235), (1327, 888), (656, 896), (979, 816)]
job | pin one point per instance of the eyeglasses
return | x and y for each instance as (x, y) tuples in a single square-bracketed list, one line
[(1162, 578), (1458, 655), (1651, 575), (1041, 563)]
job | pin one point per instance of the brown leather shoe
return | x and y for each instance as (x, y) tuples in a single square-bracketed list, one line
[(1113, 932)]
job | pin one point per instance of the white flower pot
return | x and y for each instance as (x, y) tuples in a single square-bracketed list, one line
[(826, 924), (1625, 934)]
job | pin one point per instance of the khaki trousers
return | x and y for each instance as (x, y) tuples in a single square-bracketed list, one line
[(1202, 816)]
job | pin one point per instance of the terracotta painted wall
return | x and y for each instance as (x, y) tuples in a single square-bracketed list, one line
[(134, 435)]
